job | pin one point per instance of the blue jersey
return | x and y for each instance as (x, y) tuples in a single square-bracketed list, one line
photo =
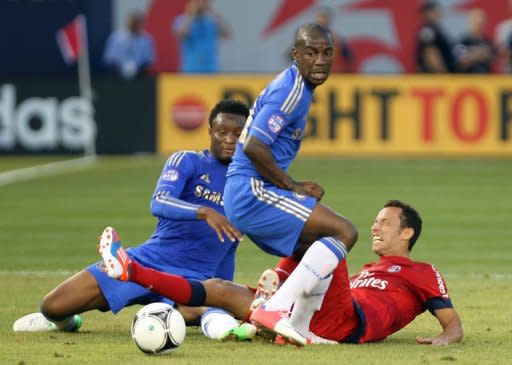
[(277, 118), (182, 244)]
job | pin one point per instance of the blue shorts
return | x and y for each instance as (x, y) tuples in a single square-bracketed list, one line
[(120, 294), (273, 218)]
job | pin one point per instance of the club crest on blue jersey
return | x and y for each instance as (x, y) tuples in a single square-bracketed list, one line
[(171, 175), (394, 268), (275, 123)]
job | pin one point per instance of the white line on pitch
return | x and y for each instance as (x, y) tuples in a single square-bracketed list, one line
[(38, 273), (52, 168)]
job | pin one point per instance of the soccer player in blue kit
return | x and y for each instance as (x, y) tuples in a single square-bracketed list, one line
[(192, 238), (280, 215)]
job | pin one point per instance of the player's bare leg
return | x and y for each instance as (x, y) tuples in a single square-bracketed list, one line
[(324, 222), (80, 293), (61, 306)]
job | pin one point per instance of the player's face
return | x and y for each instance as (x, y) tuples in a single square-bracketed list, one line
[(224, 134), (388, 237), (314, 57)]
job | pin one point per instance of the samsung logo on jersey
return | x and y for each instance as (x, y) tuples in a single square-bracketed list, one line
[(205, 193)]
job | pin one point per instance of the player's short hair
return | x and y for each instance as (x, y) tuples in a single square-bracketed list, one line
[(410, 218), (310, 28), (230, 106)]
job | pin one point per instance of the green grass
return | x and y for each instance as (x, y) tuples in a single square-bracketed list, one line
[(49, 227)]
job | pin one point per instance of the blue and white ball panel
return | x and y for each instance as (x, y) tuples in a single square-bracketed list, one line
[(120, 294), (272, 217)]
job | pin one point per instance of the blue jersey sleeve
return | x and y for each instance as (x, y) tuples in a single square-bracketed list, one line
[(268, 122), (226, 268), (166, 202)]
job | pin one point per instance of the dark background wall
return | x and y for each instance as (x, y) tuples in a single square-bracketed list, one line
[(28, 45), (124, 113)]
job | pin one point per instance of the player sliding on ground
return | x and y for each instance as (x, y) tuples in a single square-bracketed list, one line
[(377, 301), (192, 238)]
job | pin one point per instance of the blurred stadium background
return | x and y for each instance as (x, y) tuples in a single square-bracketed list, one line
[(381, 109), (443, 143)]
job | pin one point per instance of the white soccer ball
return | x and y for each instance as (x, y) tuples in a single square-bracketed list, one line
[(158, 328)]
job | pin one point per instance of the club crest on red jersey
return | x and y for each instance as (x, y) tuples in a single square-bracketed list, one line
[(394, 268)]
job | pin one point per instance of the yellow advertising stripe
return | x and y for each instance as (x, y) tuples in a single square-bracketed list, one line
[(359, 115)]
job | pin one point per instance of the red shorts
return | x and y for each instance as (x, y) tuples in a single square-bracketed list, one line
[(337, 319)]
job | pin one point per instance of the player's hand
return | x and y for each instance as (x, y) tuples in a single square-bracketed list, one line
[(219, 224), (435, 341), (310, 188)]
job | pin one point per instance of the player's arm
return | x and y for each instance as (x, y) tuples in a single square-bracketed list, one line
[(265, 128), (432, 288), (166, 206), (451, 325), (261, 156), (166, 202)]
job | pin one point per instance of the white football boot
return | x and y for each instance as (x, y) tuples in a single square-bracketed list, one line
[(33, 322), (36, 322)]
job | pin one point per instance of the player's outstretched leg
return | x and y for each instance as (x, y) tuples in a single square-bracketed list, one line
[(116, 261)]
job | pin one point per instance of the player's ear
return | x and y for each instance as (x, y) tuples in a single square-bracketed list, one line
[(294, 53), (407, 233)]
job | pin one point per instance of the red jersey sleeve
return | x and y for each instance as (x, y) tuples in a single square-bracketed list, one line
[(432, 288)]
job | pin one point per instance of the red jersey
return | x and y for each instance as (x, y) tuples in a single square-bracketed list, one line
[(386, 296)]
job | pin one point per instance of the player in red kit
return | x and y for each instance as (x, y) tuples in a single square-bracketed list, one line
[(379, 300), (383, 296)]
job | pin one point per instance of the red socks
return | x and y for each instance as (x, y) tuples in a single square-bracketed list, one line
[(285, 267), (174, 287)]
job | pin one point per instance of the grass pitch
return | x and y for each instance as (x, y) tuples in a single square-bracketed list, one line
[(49, 227)]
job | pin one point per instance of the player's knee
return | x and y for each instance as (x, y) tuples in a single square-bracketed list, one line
[(51, 308), (348, 235), (216, 289), (352, 236)]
